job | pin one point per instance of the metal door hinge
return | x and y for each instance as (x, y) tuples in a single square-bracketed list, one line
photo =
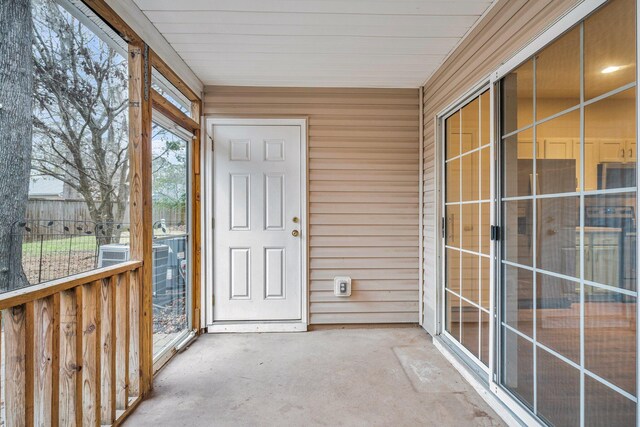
[(213, 223), (213, 299), (443, 227)]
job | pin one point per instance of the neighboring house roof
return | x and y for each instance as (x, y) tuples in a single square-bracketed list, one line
[(45, 187)]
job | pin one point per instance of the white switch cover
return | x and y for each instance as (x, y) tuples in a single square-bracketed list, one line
[(342, 286)]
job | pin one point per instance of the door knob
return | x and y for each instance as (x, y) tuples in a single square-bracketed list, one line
[(295, 233)]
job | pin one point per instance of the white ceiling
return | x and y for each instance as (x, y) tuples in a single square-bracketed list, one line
[(330, 43)]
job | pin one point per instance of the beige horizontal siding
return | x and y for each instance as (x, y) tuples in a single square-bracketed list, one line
[(363, 193), (507, 28), (364, 318)]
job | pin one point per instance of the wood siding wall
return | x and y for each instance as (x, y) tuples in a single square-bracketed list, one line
[(507, 28), (363, 193)]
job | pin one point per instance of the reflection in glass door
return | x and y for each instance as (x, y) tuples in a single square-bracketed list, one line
[(568, 210), (467, 227), (171, 234)]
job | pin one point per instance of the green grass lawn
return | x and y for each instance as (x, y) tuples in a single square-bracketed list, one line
[(77, 243)]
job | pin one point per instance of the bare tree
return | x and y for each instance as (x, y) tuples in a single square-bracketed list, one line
[(80, 115), (16, 87), (169, 172)]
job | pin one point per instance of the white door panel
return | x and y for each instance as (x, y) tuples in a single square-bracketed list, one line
[(258, 188)]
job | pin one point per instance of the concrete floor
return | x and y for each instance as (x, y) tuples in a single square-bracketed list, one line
[(350, 377)]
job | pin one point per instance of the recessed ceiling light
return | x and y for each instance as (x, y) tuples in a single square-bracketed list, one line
[(611, 69)]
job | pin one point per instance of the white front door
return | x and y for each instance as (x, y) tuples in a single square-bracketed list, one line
[(258, 244)]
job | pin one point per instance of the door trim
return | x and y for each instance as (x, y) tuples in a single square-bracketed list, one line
[(209, 192)]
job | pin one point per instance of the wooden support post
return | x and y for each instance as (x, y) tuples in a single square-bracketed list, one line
[(196, 248), (146, 353), (140, 200)]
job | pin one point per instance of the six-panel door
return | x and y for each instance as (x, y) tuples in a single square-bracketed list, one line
[(257, 210)]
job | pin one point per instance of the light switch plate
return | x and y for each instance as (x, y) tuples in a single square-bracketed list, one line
[(342, 286)]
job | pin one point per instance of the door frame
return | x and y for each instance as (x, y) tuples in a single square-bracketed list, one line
[(440, 128), (209, 244), (163, 356)]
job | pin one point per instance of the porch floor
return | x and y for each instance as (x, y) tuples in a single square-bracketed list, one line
[(386, 376)]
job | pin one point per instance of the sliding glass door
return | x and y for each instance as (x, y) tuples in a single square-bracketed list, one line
[(567, 268), (466, 228)]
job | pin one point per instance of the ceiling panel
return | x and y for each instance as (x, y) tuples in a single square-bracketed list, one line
[(360, 43)]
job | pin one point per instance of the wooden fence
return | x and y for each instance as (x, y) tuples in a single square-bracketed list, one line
[(73, 349), (76, 210)]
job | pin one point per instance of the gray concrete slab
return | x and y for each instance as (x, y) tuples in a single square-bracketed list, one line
[(336, 377)]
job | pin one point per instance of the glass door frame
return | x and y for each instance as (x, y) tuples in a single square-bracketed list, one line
[(491, 82), (565, 23), (483, 371), (159, 119)]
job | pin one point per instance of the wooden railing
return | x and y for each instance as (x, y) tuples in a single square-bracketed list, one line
[(78, 350), (72, 349)]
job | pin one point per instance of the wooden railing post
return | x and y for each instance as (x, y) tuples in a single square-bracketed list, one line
[(44, 326), (133, 355), (29, 367), (91, 354), (55, 362), (79, 409), (140, 200), (107, 346), (122, 341), (69, 363), (14, 320)]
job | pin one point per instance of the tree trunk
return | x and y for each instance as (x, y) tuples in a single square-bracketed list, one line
[(16, 90)]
